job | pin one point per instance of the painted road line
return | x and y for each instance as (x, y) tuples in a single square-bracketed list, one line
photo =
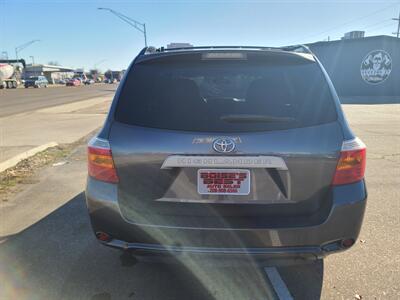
[(9, 163), (278, 284)]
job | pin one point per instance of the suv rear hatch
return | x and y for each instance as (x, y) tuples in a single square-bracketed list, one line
[(277, 109)]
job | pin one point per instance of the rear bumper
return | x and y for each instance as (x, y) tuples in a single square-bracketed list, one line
[(264, 244), (264, 256)]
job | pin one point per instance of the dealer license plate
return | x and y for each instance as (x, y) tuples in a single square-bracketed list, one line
[(223, 182)]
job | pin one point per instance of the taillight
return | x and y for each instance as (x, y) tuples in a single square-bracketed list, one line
[(100, 161), (351, 164)]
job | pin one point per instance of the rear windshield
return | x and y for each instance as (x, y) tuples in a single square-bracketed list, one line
[(225, 96)]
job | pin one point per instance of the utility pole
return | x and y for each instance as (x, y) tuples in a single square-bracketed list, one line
[(398, 26)]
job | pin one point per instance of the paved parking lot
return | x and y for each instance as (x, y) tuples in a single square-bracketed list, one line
[(47, 250)]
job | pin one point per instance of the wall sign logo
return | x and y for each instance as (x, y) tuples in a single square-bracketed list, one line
[(376, 67)]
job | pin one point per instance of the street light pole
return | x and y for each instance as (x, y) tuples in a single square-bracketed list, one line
[(98, 63), (145, 35), (23, 46), (135, 24), (33, 59)]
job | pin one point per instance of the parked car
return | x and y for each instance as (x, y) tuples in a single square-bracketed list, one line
[(81, 77), (36, 82), (73, 82), (228, 153), (61, 81), (89, 81), (110, 81)]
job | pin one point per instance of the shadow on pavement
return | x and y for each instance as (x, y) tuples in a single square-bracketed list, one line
[(59, 258), (304, 281)]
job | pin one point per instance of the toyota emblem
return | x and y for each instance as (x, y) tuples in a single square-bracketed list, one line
[(224, 145)]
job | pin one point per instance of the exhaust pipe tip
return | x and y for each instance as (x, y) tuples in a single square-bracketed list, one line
[(339, 245)]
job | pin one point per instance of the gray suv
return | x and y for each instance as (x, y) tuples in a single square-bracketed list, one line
[(36, 82), (227, 152)]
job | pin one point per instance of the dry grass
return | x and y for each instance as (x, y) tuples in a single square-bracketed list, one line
[(24, 171)]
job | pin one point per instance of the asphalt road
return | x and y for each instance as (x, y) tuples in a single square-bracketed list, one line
[(47, 249), (23, 100)]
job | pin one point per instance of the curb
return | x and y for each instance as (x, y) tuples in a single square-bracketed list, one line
[(9, 163)]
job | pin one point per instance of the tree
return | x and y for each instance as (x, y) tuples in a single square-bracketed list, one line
[(53, 63)]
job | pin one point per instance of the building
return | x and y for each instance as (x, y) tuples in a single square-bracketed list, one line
[(179, 45), (367, 67), (353, 35), (52, 73)]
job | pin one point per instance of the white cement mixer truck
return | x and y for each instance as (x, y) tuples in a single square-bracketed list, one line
[(8, 79)]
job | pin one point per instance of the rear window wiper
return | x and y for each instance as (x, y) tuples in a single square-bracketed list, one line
[(225, 98), (255, 118)]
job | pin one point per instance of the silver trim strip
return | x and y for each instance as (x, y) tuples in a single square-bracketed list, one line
[(183, 161)]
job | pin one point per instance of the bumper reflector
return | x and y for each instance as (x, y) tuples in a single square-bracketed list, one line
[(102, 236)]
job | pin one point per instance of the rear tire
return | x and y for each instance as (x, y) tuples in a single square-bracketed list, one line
[(14, 85), (9, 84)]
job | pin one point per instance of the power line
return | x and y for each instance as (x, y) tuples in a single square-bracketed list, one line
[(348, 22), (377, 23), (380, 27)]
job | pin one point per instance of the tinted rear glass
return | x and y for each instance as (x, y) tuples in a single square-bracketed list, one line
[(225, 96)]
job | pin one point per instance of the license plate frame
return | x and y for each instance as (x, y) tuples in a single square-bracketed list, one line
[(232, 182)]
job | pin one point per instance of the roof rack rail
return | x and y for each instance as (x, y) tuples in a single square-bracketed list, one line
[(295, 48), (163, 49)]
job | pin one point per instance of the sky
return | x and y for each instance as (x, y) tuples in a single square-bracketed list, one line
[(76, 34)]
